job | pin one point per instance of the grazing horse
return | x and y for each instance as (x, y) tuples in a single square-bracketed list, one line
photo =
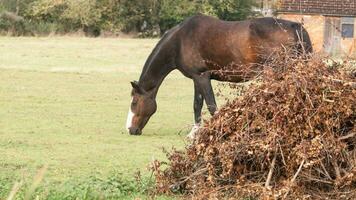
[(201, 45)]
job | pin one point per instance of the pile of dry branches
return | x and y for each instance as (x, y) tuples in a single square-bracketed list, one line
[(291, 136)]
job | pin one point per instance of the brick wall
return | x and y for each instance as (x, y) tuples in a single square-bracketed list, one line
[(313, 24), (323, 7), (316, 27)]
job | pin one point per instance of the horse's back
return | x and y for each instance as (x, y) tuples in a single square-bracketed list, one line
[(207, 43), (277, 32), (204, 38)]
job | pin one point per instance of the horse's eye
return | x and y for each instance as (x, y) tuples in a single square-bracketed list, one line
[(134, 103)]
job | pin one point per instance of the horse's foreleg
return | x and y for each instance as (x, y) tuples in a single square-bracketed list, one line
[(198, 105), (204, 83), (202, 90)]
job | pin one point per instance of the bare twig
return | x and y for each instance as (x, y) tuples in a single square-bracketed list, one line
[(316, 179), (299, 169), (337, 170), (270, 173), (294, 177), (347, 136), (345, 83), (185, 179), (325, 171), (282, 154), (301, 43)]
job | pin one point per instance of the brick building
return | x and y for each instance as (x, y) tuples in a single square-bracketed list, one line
[(265, 7), (330, 23)]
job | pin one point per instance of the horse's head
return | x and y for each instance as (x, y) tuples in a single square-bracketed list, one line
[(143, 106)]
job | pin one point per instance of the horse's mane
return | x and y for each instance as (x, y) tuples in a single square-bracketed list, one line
[(166, 37)]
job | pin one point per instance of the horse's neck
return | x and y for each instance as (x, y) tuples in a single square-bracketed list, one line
[(156, 69), (160, 63)]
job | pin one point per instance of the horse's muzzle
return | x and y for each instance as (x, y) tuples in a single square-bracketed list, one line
[(135, 131)]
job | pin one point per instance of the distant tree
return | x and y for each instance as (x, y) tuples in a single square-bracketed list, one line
[(18, 7), (173, 12), (12, 16), (79, 14), (110, 15), (86, 14), (138, 15), (232, 9), (46, 10)]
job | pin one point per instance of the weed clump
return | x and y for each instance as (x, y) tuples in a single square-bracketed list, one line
[(291, 136)]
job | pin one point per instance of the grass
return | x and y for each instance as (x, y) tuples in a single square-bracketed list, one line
[(63, 103)]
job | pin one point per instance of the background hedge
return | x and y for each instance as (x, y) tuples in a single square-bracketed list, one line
[(94, 17)]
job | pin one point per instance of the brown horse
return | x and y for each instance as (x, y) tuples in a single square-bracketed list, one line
[(201, 45)]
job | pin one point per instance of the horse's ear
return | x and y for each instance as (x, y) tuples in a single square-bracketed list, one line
[(136, 87)]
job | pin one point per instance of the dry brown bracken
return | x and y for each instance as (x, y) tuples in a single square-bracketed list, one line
[(291, 136)]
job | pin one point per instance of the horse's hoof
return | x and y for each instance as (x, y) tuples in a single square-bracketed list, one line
[(193, 132)]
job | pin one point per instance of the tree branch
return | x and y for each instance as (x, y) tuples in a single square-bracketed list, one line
[(270, 173)]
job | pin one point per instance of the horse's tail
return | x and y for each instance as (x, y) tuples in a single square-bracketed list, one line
[(304, 44)]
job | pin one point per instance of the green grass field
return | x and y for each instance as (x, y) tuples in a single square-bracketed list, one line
[(63, 103)]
